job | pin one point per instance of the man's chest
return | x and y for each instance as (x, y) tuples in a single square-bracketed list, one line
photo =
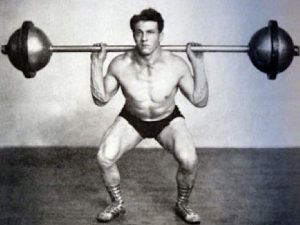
[(155, 82)]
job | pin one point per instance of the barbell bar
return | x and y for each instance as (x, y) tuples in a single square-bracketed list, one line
[(173, 48), (271, 49)]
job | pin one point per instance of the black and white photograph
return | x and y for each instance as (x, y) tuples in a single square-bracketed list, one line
[(150, 112)]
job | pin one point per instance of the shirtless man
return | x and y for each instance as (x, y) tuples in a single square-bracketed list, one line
[(149, 78)]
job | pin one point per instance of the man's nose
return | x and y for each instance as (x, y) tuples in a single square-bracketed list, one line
[(144, 37)]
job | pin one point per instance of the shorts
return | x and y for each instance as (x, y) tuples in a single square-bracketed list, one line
[(149, 129)]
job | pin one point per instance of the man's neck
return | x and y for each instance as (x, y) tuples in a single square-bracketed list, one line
[(148, 60)]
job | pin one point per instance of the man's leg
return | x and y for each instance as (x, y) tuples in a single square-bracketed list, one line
[(177, 139), (118, 139)]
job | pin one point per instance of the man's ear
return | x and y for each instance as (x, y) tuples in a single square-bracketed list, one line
[(161, 36), (133, 37)]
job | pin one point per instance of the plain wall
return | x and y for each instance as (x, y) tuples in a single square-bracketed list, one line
[(55, 108)]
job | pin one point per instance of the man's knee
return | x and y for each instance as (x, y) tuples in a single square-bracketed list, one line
[(187, 157), (189, 163), (107, 155)]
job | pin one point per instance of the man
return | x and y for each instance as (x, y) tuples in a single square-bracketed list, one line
[(149, 78)]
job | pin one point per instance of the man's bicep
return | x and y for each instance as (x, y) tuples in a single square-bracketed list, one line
[(110, 80), (186, 82), (111, 84)]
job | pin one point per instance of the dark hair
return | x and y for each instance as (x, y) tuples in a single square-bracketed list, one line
[(148, 15)]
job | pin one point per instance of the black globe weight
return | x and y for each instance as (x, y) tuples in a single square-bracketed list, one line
[(28, 49), (271, 50)]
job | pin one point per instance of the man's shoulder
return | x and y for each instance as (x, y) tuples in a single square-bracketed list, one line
[(120, 59), (119, 62), (174, 59)]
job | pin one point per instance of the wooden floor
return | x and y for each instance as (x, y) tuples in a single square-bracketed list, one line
[(62, 186)]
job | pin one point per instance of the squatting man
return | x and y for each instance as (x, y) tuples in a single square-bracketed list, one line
[(149, 78)]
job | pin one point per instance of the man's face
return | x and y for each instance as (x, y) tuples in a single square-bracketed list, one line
[(147, 37)]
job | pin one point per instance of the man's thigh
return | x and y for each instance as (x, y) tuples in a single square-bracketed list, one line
[(177, 139), (119, 138)]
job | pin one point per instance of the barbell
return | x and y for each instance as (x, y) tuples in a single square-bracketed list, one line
[(271, 49)]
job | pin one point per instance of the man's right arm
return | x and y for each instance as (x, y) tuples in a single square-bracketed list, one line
[(103, 88)]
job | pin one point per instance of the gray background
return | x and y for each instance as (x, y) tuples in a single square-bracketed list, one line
[(55, 108)]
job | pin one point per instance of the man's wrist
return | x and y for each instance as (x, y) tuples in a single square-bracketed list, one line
[(97, 63), (197, 62)]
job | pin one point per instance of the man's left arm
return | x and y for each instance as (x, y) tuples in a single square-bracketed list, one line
[(194, 87)]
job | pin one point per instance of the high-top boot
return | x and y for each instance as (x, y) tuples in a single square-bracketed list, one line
[(116, 207), (182, 209)]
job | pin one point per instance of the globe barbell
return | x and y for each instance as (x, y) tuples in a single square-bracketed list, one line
[(271, 49)]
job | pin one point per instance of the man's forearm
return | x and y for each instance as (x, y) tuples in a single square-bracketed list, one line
[(200, 94), (97, 82)]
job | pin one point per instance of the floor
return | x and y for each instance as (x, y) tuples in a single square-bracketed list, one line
[(62, 186)]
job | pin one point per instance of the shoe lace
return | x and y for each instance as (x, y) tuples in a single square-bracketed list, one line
[(186, 209), (113, 208)]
